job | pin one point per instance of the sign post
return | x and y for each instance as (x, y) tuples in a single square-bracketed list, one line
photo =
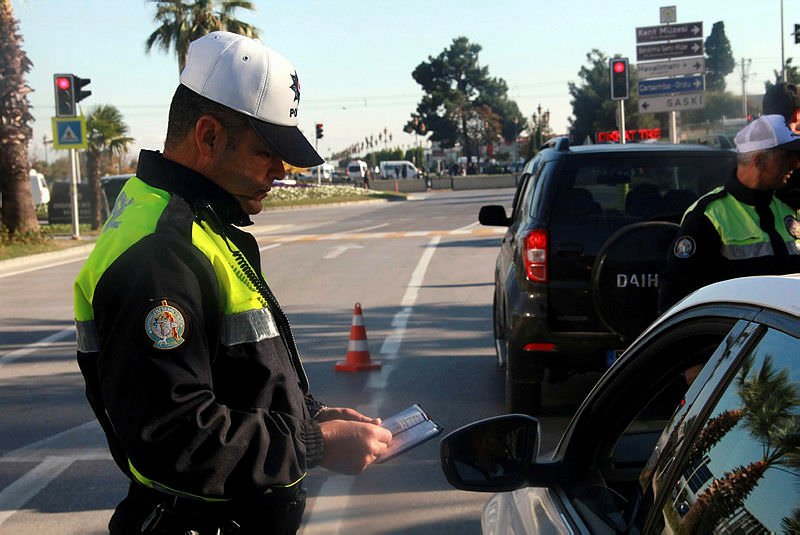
[(70, 133)]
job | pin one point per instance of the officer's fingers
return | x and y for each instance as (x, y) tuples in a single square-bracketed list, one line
[(382, 434)]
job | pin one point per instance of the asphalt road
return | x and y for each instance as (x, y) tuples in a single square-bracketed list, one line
[(422, 271)]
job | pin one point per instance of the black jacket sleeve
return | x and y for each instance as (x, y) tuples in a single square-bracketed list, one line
[(163, 403), (693, 260)]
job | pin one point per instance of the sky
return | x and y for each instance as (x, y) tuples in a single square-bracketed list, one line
[(355, 58)]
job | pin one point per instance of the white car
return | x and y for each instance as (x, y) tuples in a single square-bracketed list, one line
[(695, 429)]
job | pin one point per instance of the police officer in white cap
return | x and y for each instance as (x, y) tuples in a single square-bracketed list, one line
[(741, 228), (189, 361)]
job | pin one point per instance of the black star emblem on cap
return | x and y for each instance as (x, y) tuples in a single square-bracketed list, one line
[(295, 87)]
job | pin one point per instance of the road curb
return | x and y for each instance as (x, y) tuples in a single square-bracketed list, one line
[(41, 259)]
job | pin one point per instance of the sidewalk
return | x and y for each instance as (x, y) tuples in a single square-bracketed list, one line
[(13, 266)]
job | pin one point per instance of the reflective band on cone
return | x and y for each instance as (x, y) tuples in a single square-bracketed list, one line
[(358, 358)]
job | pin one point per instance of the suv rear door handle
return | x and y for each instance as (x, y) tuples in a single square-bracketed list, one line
[(571, 247)]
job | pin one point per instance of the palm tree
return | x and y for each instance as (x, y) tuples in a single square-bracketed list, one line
[(18, 213), (769, 403), (183, 21), (105, 136)]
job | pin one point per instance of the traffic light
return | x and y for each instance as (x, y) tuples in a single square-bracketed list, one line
[(796, 33), (65, 95), (81, 94), (620, 79), (68, 91), (319, 130)]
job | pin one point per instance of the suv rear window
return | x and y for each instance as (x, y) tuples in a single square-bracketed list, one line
[(612, 192)]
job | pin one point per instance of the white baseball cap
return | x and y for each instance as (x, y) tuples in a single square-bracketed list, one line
[(242, 74), (766, 132)]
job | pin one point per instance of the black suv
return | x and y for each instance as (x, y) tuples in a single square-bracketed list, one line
[(577, 275)]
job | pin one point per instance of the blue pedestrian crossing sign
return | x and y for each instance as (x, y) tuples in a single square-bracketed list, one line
[(69, 132)]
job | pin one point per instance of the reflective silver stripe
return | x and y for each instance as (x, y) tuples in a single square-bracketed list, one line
[(743, 252), (249, 326), (88, 341)]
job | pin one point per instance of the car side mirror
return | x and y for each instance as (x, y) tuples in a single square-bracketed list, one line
[(491, 455), (493, 215)]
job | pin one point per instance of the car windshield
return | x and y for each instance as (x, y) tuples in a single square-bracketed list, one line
[(613, 192)]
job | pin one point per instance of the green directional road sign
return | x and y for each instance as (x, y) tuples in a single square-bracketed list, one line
[(69, 132)]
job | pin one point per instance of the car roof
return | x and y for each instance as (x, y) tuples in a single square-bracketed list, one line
[(643, 147), (777, 292)]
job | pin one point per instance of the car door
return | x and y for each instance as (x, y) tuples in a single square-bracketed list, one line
[(730, 461), (519, 212)]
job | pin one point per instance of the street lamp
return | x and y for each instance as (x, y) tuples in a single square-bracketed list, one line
[(540, 121)]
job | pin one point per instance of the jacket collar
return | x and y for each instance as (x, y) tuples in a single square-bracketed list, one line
[(753, 197), (163, 173)]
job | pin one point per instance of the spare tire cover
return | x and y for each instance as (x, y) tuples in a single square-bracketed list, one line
[(626, 275)]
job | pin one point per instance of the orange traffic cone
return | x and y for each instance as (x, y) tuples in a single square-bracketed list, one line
[(358, 359)]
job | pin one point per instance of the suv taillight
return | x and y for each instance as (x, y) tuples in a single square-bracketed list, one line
[(534, 255)]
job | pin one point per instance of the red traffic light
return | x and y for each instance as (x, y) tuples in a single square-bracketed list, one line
[(62, 82), (619, 66)]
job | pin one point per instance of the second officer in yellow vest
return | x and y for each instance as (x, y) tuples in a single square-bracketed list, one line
[(741, 228)]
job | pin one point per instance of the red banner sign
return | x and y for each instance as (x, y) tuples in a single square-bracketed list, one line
[(630, 135)]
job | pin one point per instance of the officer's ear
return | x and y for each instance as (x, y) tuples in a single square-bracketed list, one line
[(209, 136), (760, 159)]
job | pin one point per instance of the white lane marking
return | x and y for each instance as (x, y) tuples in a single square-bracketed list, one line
[(54, 454), (325, 517), (270, 246), (30, 348), (465, 230), (341, 249), (365, 228), (17, 494), (85, 442), (44, 266)]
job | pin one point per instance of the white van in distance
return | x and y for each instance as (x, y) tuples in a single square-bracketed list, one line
[(398, 169), (357, 170), (39, 189)]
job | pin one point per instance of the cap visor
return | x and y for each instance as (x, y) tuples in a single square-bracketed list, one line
[(792, 146), (288, 142)]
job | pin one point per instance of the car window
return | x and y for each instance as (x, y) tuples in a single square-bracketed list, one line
[(535, 195), (524, 191), (741, 471), (610, 192), (648, 387)]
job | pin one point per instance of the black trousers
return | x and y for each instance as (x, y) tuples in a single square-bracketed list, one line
[(274, 513)]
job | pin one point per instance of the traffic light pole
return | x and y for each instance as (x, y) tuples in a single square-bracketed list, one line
[(621, 121), (673, 127), (316, 148), (73, 193)]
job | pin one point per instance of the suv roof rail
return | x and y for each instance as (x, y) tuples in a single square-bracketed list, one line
[(716, 140), (559, 143)]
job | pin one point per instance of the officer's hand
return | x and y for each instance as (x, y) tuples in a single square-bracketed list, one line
[(351, 446), (343, 413)]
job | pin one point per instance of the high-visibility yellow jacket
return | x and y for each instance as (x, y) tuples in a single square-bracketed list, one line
[(189, 362), (732, 231)]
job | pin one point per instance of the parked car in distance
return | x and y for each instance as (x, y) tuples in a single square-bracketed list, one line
[(112, 185), (577, 274), (695, 429)]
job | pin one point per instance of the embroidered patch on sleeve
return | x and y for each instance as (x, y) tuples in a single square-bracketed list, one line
[(792, 226), (684, 247), (165, 325)]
